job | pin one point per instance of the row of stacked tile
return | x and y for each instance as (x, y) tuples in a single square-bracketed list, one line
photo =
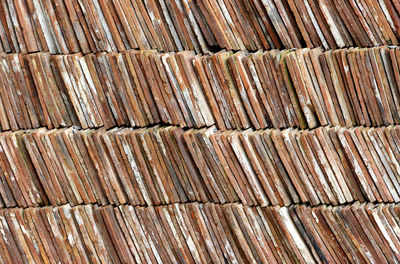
[(71, 26), (164, 165), (294, 88)]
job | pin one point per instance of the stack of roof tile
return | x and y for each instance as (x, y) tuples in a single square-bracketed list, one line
[(208, 131)]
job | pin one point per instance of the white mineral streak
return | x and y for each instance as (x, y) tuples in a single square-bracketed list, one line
[(315, 23), (287, 220), (383, 230), (332, 26), (356, 166)]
